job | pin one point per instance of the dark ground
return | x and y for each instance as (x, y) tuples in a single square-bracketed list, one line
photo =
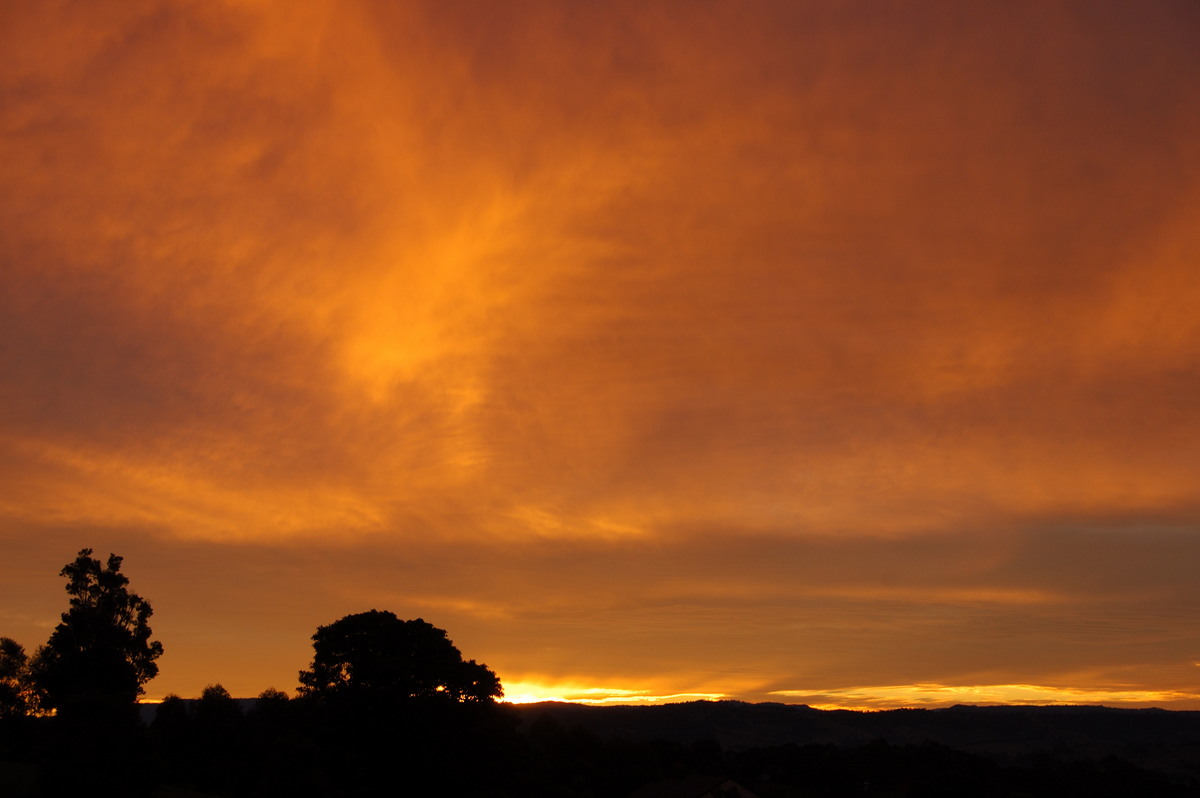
[(305, 748)]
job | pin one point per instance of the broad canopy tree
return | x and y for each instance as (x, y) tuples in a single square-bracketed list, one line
[(101, 653), (375, 655)]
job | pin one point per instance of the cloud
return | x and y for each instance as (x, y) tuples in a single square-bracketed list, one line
[(853, 342)]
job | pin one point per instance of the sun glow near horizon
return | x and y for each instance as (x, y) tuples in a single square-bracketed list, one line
[(934, 696), (575, 693), (864, 699)]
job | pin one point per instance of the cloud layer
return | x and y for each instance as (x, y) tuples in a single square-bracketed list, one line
[(754, 350)]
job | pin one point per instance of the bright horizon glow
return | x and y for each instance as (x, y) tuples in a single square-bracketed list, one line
[(866, 699), (869, 699), (532, 693), (940, 696)]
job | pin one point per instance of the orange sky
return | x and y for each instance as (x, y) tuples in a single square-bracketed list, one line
[(841, 353)]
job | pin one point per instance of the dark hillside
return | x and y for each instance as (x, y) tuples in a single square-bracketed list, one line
[(307, 748), (1158, 740)]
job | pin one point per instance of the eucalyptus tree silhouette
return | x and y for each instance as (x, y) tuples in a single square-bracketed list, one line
[(376, 655), (101, 654)]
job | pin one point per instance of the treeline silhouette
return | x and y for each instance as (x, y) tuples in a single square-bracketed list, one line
[(390, 707)]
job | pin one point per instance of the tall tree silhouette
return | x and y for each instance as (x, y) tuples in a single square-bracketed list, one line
[(101, 654), (375, 654), (91, 672)]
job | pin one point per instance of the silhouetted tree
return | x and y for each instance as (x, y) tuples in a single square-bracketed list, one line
[(270, 698), (216, 708), (171, 716), (101, 653), (218, 749), (91, 672), (375, 654), (172, 738), (393, 703), (15, 691)]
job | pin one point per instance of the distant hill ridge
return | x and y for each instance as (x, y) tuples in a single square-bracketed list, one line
[(1165, 741), (1157, 739)]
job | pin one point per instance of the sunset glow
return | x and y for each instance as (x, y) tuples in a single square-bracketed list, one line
[(833, 352), (940, 695), (528, 693)]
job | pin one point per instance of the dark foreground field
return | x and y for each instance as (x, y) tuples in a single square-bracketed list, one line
[(302, 748)]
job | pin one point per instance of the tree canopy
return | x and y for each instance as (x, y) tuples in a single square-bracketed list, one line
[(101, 652), (378, 655)]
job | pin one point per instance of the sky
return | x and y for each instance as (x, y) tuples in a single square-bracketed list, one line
[(840, 352)]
